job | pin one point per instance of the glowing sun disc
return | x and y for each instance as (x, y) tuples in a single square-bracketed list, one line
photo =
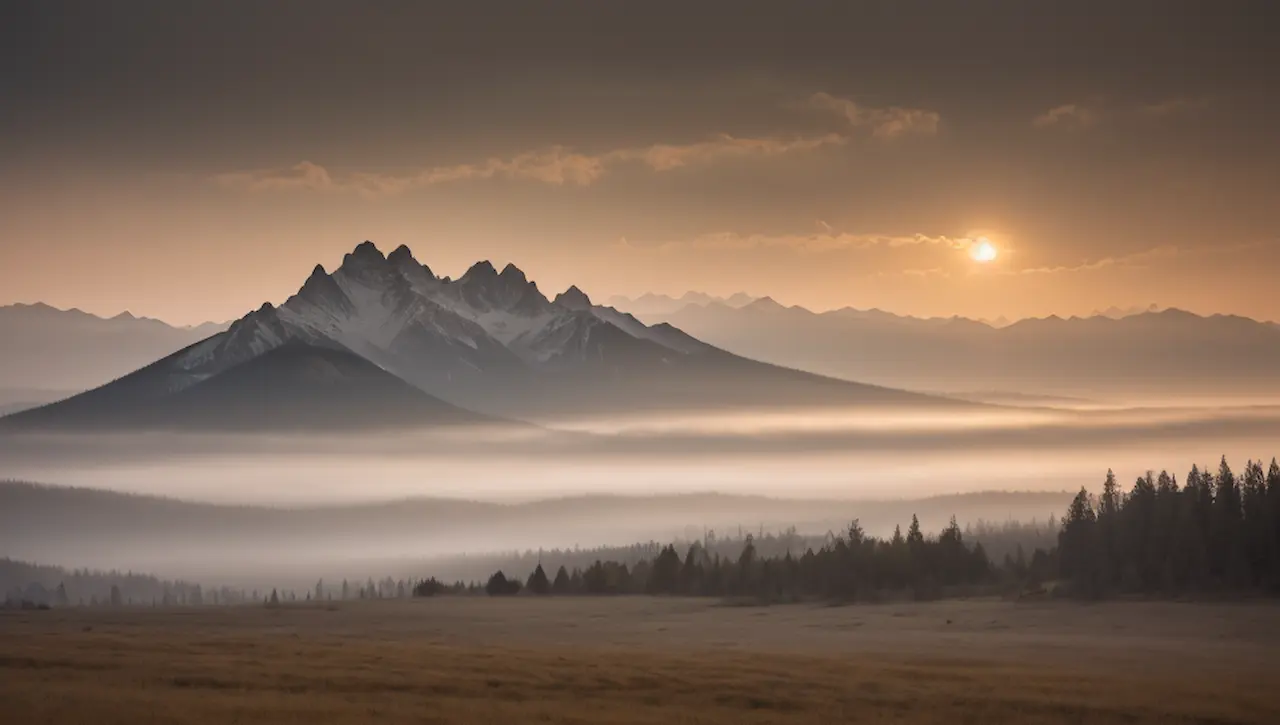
[(983, 251)]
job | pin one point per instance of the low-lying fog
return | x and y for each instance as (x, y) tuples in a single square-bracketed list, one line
[(796, 454), (384, 503)]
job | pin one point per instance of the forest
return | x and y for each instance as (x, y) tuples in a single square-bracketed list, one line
[(1215, 534)]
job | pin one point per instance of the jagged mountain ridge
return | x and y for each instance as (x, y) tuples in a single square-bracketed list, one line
[(491, 342), (433, 331)]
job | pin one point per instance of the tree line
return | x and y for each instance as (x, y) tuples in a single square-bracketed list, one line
[(1214, 533), (849, 566), (1217, 533), (998, 538)]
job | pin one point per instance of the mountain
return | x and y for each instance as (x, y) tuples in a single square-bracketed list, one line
[(293, 386), (489, 341), (1117, 313), (654, 304), (48, 349), (1155, 353)]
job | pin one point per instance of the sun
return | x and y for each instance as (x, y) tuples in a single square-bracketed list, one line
[(983, 251)]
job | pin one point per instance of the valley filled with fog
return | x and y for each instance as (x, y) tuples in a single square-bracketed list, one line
[(853, 455), (223, 506)]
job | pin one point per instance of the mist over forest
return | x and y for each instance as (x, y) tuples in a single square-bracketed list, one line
[(262, 507)]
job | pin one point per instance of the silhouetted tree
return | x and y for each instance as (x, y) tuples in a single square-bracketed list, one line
[(538, 583), (561, 584), (499, 586)]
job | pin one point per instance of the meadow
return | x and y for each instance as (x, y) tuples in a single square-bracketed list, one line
[(643, 660)]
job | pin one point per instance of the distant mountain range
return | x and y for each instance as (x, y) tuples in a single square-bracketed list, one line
[(1117, 313), (1167, 352), (384, 341), (49, 354), (654, 304), (48, 349)]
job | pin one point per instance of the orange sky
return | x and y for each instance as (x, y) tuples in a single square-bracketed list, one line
[(192, 174)]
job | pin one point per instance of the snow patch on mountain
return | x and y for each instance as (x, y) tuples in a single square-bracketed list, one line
[(395, 312)]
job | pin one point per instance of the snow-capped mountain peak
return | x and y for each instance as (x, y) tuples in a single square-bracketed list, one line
[(393, 311)]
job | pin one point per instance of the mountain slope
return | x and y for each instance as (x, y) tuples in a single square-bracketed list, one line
[(45, 348), (293, 386)]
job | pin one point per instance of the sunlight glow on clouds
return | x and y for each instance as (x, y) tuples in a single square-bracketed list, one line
[(562, 166), (885, 123), (557, 165)]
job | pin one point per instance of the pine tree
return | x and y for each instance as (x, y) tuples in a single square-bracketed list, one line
[(1256, 534), (1230, 560), (1111, 566), (915, 539), (746, 573), (500, 586), (664, 577), (1163, 530), (1139, 566), (1273, 522), (538, 583), (1080, 549), (691, 570), (562, 583)]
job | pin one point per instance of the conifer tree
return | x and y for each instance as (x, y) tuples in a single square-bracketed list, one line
[(538, 583), (562, 584)]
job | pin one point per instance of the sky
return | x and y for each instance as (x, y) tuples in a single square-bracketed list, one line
[(188, 161)]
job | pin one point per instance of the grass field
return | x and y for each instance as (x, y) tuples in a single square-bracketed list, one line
[(644, 660)]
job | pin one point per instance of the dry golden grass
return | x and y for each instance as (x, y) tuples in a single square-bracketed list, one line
[(640, 661)]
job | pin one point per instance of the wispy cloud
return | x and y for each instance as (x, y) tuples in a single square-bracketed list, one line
[(825, 239), (664, 157), (1173, 106), (1068, 116), (918, 273), (1083, 116), (1142, 258), (556, 165), (887, 123), (1136, 259), (564, 166), (304, 175)]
